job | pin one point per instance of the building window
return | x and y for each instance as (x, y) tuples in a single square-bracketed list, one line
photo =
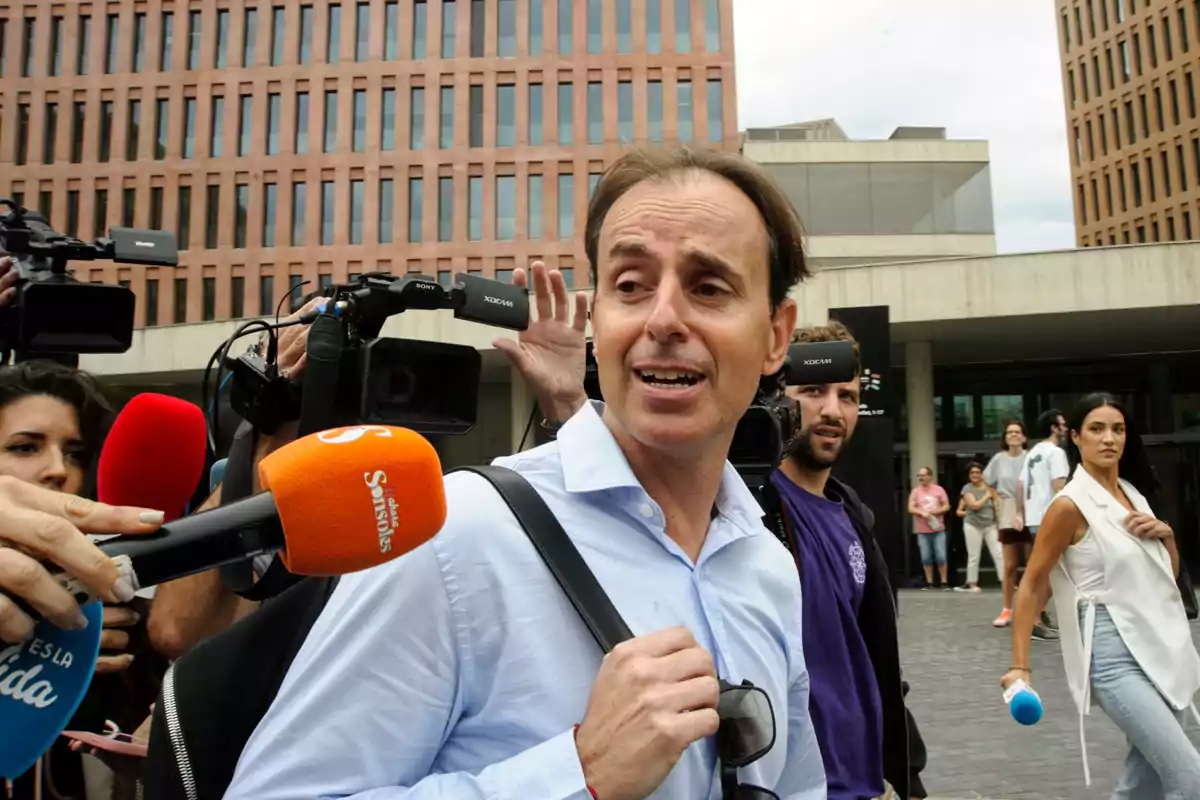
[(304, 48), (654, 116), (273, 112), (151, 302), (112, 34), (1174, 105), (220, 53), (475, 120), (535, 114), (716, 126), (81, 45), (77, 120), (329, 138), (278, 34), (1135, 175), (46, 204), (180, 286), (183, 217), (416, 206), (478, 27), (49, 132), (624, 26), (506, 28), (1145, 116), (416, 119), (299, 204), (359, 141), (209, 300), (212, 208), (566, 26), (683, 94), (133, 129), (595, 26), (241, 211), (446, 113), (270, 209), (100, 214), (245, 123), (301, 143), (1183, 181), (683, 26), (357, 210), (333, 38), (104, 148), (506, 115), (189, 127), (1124, 191), (1168, 43), (362, 32), (1191, 92), (168, 38), (536, 207), (1150, 179), (1166, 173), (449, 23), (506, 208), (193, 56), (625, 112), (73, 212), (21, 140), (593, 182), (387, 130), (387, 209), (237, 297), (566, 206), (327, 205), (536, 21), (266, 295), (138, 57), (216, 127), (249, 36), (566, 113), (1108, 195), (445, 209), (712, 25), (293, 296), (161, 119), (391, 31), (474, 208), (420, 29), (1187, 226), (595, 112)]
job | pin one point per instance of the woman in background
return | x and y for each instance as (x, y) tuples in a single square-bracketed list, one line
[(53, 420), (1125, 636), (977, 506), (1002, 474)]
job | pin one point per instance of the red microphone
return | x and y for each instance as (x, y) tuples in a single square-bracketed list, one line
[(154, 455)]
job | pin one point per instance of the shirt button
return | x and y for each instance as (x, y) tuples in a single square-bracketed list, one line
[(646, 510)]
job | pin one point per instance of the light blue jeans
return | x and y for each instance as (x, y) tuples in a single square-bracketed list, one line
[(932, 547), (1162, 763)]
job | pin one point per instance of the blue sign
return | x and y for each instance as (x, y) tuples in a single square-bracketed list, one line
[(42, 682)]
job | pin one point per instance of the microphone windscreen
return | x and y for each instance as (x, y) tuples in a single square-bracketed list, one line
[(353, 498), (154, 455)]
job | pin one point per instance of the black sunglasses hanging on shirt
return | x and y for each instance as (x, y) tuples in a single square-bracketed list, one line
[(747, 721)]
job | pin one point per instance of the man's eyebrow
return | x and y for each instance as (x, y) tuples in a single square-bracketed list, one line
[(630, 250), (718, 266)]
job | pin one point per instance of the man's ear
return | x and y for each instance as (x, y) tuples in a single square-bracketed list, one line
[(783, 325)]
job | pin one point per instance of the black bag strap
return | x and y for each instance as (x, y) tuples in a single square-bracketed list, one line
[(560, 554)]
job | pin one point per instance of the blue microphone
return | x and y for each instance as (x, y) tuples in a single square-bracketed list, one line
[(1023, 703)]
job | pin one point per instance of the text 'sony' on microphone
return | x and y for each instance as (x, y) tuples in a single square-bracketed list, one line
[(336, 502), (153, 457)]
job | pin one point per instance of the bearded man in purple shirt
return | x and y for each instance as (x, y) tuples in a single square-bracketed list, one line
[(868, 739)]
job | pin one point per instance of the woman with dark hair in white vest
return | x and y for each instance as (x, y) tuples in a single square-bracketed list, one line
[(1125, 635)]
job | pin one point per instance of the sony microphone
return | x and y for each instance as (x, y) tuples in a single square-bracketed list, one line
[(336, 502)]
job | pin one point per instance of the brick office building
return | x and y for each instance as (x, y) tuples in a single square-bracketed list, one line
[(1131, 73), (289, 141)]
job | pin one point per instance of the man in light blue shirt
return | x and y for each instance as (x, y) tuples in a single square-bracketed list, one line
[(461, 670)]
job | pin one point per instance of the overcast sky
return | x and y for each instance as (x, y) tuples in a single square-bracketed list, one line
[(982, 70)]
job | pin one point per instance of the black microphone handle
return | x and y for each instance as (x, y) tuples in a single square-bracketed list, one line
[(203, 541)]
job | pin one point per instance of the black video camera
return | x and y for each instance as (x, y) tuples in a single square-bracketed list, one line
[(56, 316), (355, 377)]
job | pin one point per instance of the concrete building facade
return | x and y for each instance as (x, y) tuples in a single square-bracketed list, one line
[(304, 141), (1131, 73), (913, 196)]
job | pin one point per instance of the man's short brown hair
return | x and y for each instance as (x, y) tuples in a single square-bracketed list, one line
[(832, 331), (785, 246)]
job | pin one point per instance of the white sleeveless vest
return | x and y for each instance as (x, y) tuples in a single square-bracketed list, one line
[(1141, 596)]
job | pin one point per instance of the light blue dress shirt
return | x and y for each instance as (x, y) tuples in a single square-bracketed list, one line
[(459, 670)]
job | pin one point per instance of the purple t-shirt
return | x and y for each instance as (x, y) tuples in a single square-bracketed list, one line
[(844, 697)]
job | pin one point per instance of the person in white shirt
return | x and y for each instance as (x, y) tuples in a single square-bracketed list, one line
[(1042, 478), (1126, 638)]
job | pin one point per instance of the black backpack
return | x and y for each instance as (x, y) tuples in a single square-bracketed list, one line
[(215, 694)]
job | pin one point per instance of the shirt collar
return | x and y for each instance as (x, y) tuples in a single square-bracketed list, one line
[(592, 461)]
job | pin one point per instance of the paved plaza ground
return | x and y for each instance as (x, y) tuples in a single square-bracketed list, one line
[(953, 659)]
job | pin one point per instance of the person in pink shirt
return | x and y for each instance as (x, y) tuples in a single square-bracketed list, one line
[(929, 505)]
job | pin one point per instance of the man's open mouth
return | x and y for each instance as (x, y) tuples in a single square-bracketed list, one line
[(669, 378)]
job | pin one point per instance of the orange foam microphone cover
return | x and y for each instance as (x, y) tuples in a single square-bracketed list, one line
[(355, 497)]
